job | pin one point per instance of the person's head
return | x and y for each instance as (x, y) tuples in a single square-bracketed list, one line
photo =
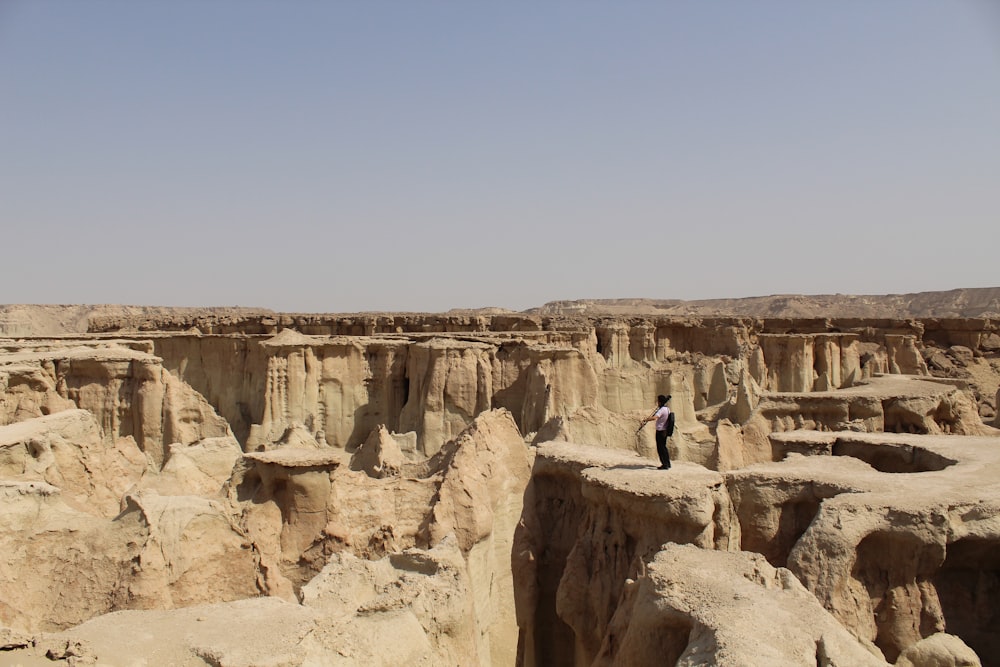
[(662, 400)]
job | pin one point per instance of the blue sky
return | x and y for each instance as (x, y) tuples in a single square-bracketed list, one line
[(426, 155)]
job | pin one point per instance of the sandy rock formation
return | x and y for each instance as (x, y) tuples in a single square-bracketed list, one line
[(367, 473), (187, 417), (301, 506), (807, 362), (88, 538), (68, 450), (450, 383), (711, 384), (76, 561), (450, 600), (412, 607), (697, 607), (193, 552), (37, 320), (592, 510), (341, 389), (893, 563), (939, 650), (588, 532), (386, 454), (199, 469), (161, 552), (242, 633), (878, 527), (127, 390), (957, 303), (889, 403)]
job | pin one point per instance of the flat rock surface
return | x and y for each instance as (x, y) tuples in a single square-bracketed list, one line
[(298, 457)]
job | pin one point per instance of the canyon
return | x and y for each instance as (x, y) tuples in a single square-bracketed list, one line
[(242, 487)]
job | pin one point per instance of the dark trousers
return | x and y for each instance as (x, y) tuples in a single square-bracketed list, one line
[(661, 448)]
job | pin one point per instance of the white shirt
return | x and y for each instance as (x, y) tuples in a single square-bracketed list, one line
[(661, 418)]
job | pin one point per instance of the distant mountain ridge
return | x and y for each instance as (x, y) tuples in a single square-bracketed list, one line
[(979, 302), (976, 302), (21, 319)]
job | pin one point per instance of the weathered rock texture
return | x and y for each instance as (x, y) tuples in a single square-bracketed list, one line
[(125, 387), (890, 534), (355, 490), (698, 607)]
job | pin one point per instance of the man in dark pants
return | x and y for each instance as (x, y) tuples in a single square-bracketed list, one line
[(662, 416)]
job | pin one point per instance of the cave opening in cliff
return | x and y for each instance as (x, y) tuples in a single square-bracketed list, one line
[(793, 520), (249, 487), (968, 585)]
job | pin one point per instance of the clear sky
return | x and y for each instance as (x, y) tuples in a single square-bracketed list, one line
[(350, 155)]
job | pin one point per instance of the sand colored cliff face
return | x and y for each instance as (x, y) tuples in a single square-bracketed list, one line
[(475, 489), (884, 552), (212, 523)]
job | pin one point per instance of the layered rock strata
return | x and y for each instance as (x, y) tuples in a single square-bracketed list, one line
[(884, 537), (125, 387), (366, 474)]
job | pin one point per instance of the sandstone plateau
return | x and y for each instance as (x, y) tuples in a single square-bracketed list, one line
[(241, 487)]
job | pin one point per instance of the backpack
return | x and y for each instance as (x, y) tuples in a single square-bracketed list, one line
[(670, 424)]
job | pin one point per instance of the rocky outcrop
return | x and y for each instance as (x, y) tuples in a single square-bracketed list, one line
[(159, 553), (431, 577), (386, 454), (413, 607), (369, 474), (959, 305), (338, 389), (68, 451), (939, 649), (126, 390), (230, 372), (808, 362), (885, 403), (894, 563), (410, 608), (302, 506), (588, 527), (450, 382), (341, 387), (697, 607), (48, 547), (194, 552), (236, 633), (885, 538), (200, 469)]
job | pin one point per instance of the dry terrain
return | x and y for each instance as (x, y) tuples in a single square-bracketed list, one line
[(239, 487)]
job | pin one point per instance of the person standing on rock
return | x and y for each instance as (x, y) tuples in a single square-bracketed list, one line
[(664, 429)]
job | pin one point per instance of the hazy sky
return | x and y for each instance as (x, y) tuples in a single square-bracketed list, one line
[(424, 155)]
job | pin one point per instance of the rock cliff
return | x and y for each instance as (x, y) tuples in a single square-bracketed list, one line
[(474, 488)]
